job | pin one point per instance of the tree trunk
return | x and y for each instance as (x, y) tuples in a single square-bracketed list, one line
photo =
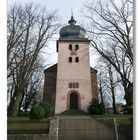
[(12, 102), (114, 101), (13, 108), (112, 89), (20, 105), (10, 107), (16, 105), (101, 93), (129, 94)]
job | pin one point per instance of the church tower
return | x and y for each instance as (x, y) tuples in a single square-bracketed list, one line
[(71, 83), (73, 88)]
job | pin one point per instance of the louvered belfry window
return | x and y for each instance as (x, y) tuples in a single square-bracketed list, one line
[(73, 85)]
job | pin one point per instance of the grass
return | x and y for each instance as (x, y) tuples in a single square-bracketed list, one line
[(20, 119), (111, 116), (120, 118)]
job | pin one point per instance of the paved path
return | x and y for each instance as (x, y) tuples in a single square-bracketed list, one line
[(83, 127)]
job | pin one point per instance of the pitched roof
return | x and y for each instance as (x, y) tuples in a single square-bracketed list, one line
[(93, 70), (53, 68)]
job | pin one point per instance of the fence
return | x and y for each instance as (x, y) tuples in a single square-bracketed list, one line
[(28, 127)]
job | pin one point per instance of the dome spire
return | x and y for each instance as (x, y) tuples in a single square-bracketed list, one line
[(72, 30), (72, 21)]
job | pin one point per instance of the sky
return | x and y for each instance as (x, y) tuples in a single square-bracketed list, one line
[(64, 7)]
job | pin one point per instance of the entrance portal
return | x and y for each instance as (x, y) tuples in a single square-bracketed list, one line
[(73, 101)]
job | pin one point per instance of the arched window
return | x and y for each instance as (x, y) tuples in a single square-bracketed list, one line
[(77, 47), (70, 59), (70, 46), (76, 59)]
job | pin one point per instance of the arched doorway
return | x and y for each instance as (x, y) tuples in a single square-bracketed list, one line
[(73, 101)]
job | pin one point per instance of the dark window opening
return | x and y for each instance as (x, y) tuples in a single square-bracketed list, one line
[(73, 85), (77, 85), (77, 47), (70, 59), (70, 47), (76, 59)]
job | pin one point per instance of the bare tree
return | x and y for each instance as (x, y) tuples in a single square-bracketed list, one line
[(112, 88), (34, 84), (109, 81), (33, 93), (111, 32), (29, 30)]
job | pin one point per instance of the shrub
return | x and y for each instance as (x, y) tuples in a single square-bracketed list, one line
[(47, 109), (128, 110), (96, 108), (102, 108), (37, 112), (23, 114)]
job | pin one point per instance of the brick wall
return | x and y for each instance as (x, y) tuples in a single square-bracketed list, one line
[(50, 85), (94, 87)]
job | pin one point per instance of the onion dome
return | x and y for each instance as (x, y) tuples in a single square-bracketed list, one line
[(72, 30)]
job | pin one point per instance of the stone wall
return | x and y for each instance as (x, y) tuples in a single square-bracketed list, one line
[(28, 137), (54, 128)]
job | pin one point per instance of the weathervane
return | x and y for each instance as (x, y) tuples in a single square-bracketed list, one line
[(71, 11)]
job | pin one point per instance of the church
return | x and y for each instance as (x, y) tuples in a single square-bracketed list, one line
[(71, 83)]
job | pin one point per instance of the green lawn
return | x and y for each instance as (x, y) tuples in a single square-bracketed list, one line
[(111, 116), (15, 119), (120, 118)]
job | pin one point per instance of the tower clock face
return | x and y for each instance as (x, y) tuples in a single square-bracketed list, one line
[(73, 52)]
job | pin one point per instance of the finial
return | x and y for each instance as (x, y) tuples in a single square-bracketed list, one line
[(72, 21)]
